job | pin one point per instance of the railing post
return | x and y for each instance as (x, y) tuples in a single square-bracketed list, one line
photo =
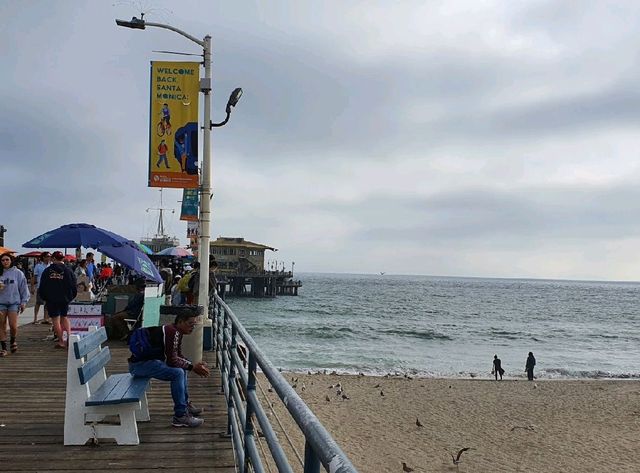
[(225, 323), (311, 460), (248, 427), (232, 376)]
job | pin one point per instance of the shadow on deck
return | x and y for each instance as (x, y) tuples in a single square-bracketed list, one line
[(32, 419)]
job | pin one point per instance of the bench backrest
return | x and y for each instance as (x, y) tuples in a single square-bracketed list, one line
[(89, 342), (95, 364)]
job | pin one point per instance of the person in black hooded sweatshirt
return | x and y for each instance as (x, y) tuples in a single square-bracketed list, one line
[(58, 288)]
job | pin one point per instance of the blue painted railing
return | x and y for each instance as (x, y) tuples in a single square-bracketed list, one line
[(244, 407)]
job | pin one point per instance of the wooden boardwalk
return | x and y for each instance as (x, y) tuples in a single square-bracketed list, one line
[(32, 397)]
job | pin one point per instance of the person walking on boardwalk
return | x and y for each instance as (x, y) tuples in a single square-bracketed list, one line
[(163, 360), (531, 362), (497, 367), (57, 289), (45, 261), (14, 295)]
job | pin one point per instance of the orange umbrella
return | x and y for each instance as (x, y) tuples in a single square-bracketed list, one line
[(5, 250)]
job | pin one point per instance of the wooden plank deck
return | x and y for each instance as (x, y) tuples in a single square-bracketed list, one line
[(32, 397)]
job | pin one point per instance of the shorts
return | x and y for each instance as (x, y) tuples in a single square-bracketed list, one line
[(58, 309), (9, 307), (39, 300)]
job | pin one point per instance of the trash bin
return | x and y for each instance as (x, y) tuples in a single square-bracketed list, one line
[(192, 343)]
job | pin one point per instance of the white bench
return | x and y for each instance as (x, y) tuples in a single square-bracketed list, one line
[(92, 396)]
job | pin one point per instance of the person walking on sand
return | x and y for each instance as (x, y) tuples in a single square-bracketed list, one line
[(57, 288), (14, 296), (531, 362), (497, 367)]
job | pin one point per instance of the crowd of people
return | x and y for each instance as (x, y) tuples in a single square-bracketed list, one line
[(57, 282)]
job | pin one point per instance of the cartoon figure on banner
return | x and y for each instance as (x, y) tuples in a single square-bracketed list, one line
[(162, 154), (186, 141), (164, 126), (180, 151)]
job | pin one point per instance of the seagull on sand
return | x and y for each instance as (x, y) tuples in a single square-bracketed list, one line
[(456, 460), (418, 423), (406, 468)]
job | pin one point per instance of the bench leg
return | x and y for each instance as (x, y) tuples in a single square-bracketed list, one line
[(124, 434), (76, 432), (142, 414)]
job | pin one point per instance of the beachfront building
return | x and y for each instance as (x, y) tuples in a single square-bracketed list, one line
[(241, 269), (239, 256)]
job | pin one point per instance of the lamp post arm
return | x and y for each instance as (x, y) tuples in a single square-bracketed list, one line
[(177, 30)]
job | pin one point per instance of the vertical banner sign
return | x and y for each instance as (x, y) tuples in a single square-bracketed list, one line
[(190, 202), (173, 132), (193, 232)]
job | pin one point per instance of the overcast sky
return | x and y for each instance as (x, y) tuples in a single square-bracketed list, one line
[(459, 138)]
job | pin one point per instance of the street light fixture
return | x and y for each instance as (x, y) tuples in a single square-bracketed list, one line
[(233, 100), (205, 204)]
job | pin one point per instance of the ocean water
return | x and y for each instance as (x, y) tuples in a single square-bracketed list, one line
[(449, 327)]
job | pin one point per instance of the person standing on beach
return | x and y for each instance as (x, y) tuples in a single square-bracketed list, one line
[(14, 296), (58, 288), (531, 362), (497, 367), (45, 261)]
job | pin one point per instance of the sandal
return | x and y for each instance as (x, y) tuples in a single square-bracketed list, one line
[(3, 353), (60, 346), (14, 347)]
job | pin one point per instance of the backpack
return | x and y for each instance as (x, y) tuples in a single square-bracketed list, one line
[(183, 284), (147, 343)]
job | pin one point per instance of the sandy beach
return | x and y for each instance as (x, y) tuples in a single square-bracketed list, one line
[(512, 426)]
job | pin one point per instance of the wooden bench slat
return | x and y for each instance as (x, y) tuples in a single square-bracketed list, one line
[(89, 342), (119, 389), (94, 365)]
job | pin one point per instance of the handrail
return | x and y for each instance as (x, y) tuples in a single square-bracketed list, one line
[(243, 406)]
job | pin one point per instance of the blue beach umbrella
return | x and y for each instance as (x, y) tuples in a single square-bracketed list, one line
[(117, 247), (128, 254), (75, 235)]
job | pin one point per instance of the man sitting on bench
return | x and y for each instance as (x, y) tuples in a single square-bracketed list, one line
[(170, 365)]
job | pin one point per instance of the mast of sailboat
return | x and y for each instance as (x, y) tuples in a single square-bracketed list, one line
[(160, 228)]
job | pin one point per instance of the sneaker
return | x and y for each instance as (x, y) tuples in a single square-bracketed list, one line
[(187, 421), (193, 410)]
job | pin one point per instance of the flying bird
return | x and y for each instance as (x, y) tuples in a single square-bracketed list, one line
[(406, 468), (418, 423), (456, 460)]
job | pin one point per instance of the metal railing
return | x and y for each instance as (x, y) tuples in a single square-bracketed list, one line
[(244, 406)]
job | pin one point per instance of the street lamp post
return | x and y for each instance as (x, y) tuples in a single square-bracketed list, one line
[(205, 189)]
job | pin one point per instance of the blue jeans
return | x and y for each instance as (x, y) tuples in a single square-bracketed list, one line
[(158, 369)]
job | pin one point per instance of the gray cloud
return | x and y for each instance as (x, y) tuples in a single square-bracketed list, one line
[(362, 125)]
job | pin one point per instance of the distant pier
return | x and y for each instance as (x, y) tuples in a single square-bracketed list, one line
[(264, 284)]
